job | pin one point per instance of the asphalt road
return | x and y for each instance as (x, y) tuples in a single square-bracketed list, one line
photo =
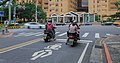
[(27, 46)]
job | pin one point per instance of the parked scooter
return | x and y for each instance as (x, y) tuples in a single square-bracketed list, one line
[(72, 39)]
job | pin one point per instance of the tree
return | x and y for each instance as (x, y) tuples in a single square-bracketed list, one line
[(29, 11), (117, 3), (117, 14)]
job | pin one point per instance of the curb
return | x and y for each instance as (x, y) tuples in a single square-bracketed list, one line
[(13, 27), (107, 54)]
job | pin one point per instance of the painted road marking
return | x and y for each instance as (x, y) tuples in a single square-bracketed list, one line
[(46, 52), (108, 34), (83, 54), (85, 35), (3, 50), (62, 34), (97, 35), (33, 34), (79, 41), (41, 54)]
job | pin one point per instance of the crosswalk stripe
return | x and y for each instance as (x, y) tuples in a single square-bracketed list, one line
[(85, 35), (32, 34), (107, 34), (43, 34), (62, 34), (97, 35)]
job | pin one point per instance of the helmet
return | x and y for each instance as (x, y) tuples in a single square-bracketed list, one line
[(49, 20)]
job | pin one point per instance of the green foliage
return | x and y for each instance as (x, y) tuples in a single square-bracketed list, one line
[(109, 20), (97, 17)]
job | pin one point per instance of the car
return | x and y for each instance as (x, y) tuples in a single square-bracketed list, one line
[(107, 23), (15, 23), (33, 25), (87, 23), (116, 23)]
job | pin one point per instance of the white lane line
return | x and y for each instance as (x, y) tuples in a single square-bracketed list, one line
[(43, 34), (83, 54), (62, 34), (57, 32), (39, 34), (32, 34), (108, 34), (85, 35), (79, 41), (97, 35)]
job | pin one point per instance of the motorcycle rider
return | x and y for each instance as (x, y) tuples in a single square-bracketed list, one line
[(50, 26), (74, 28)]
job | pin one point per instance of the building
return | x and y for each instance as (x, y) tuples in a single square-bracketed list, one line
[(102, 7), (58, 6), (81, 8)]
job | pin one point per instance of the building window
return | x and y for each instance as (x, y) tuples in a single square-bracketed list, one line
[(61, 5), (56, 9), (50, 0), (56, 4), (50, 10), (61, 10)]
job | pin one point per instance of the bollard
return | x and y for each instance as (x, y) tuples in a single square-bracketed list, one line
[(6, 29), (3, 32)]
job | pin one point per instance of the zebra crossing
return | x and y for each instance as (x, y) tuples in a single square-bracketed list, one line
[(58, 34)]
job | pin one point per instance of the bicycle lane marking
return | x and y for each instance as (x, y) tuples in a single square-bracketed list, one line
[(47, 51)]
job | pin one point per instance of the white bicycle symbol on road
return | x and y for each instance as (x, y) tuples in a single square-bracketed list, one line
[(46, 52)]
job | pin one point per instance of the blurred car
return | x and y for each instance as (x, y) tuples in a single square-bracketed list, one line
[(87, 23), (116, 23), (107, 23), (15, 23), (33, 25)]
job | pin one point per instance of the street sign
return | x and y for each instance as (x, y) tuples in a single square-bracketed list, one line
[(1, 13)]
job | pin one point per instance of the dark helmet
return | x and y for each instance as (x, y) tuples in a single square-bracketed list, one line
[(49, 20)]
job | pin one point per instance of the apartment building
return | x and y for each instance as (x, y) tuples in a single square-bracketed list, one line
[(102, 7), (59, 6)]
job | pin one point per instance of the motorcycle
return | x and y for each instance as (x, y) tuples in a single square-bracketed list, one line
[(72, 39), (49, 35)]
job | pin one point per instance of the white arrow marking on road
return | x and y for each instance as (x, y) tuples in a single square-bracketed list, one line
[(83, 54), (62, 34)]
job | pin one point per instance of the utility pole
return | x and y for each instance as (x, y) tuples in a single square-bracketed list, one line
[(36, 10), (10, 10)]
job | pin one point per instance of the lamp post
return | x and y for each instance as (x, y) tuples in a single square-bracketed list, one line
[(36, 10)]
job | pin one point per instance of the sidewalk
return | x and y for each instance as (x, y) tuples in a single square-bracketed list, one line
[(113, 44), (106, 50), (8, 34)]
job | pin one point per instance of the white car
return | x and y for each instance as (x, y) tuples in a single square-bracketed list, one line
[(33, 25)]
